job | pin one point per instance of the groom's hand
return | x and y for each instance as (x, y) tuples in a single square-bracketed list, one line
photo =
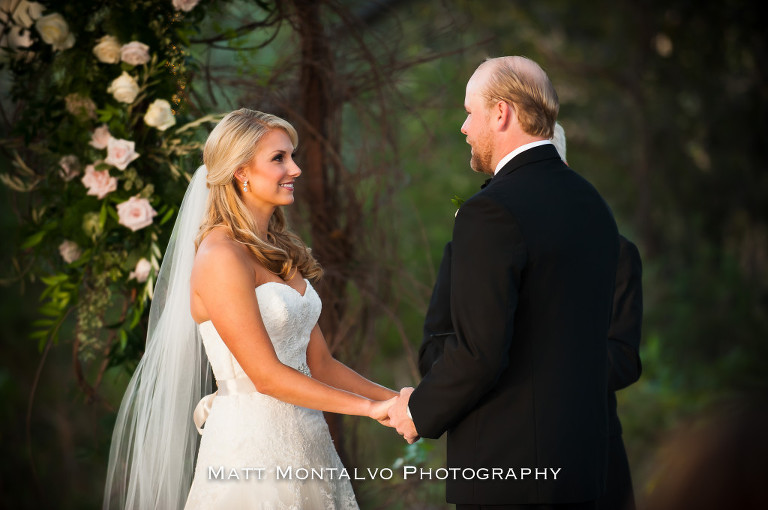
[(379, 410), (398, 417)]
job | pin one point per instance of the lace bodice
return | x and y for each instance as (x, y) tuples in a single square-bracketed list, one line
[(245, 429), (288, 317)]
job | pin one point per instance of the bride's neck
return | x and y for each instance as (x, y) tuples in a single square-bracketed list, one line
[(261, 217)]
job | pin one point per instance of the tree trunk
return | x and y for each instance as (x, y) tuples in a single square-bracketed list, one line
[(320, 109)]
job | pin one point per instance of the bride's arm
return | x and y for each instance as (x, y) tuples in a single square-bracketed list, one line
[(223, 280), (326, 368)]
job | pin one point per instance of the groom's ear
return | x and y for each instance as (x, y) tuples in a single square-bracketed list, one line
[(504, 115)]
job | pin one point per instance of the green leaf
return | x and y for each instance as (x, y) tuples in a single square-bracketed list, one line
[(104, 115), (51, 310), (84, 259), (33, 240), (54, 280), (167, 217), (46, 292), (103, 215), (135, 320)]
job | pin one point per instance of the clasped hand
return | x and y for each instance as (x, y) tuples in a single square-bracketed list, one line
[(394, 413)]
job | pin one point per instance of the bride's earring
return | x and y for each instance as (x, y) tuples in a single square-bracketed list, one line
[(245, 186)]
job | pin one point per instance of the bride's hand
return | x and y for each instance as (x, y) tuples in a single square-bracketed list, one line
[(379, 410)]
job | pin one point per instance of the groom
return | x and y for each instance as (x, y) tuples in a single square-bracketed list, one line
[(520, 388)]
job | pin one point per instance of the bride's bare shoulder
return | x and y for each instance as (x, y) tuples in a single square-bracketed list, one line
[(219, 256)]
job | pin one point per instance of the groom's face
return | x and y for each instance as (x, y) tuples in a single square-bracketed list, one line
[(477, 126)]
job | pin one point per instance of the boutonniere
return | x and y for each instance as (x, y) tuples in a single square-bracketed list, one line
[(457, 201)]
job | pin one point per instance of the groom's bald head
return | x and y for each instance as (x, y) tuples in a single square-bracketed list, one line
[(522, 84)]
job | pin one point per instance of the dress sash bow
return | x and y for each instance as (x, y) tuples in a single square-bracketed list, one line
[(237, 386)]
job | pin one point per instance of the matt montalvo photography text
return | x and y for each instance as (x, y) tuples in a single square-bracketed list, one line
[(407, 472)]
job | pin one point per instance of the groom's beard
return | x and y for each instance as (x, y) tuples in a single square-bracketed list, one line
[(482, 154)]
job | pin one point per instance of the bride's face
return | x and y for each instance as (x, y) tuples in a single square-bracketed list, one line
[(271, 173)]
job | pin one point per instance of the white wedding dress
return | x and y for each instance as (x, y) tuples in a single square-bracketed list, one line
[(258, 452)]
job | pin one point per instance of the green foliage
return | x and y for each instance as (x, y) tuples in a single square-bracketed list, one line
[(91, 258)]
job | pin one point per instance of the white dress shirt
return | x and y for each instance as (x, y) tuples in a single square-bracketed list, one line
[(517, 151)]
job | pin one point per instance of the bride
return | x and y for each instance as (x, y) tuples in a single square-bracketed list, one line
[(235, 289)]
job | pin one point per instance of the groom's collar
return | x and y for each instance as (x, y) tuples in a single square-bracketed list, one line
[(541, 153), (506, 159)]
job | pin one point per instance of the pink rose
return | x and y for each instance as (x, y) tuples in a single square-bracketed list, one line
[(135, 213), (69, 251), (141, 273), (184, 5), (70, 167), (134, 53), (80, 106), (98, 182), (120, 152), (100, 137)]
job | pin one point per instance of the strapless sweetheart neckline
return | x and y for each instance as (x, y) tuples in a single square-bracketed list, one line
[(306, 289), (256, 289)]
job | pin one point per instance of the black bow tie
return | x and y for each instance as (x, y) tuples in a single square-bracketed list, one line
[(486, 183)]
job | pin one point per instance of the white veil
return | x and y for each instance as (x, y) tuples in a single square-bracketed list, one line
[(154, 442)]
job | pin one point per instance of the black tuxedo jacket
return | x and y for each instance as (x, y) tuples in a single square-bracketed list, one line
[(623, 369), (624, 365), (522, 382)]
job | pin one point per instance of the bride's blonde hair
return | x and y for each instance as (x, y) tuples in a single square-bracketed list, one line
[(232, 145)]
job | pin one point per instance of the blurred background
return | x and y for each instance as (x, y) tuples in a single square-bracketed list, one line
[(665, 109)]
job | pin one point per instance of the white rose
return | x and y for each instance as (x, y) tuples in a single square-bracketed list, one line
[(69, 251), (100, 137), (26, 13), (134, 53), (98, 182), (184, 5), (141, 273), (70, 167), (124, 88), (159, 115), (120, 152), (55, 31), (135, 213), (107, 50)]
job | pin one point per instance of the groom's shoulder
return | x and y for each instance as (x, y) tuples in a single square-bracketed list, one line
[(546, 177), (484, 201)]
